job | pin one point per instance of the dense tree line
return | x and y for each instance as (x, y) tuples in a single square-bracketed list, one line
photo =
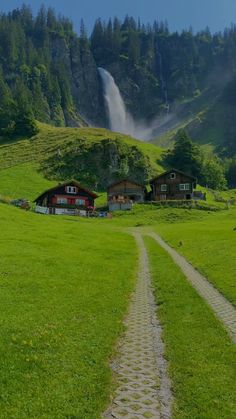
[(180, 62)]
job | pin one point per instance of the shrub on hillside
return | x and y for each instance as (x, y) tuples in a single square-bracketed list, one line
[(16, 122)]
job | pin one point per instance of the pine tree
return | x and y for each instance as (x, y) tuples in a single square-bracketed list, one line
[(185, 156)]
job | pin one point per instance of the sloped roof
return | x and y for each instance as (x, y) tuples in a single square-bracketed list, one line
[(125, 180), (68, 183), (172, 171)]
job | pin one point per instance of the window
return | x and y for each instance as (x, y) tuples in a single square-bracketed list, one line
[(71, 189), (61, 201), (172, 175), (80, 202), (184, 186), (163, 188)]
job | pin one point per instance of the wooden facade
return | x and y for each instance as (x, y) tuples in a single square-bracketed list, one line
[(66, 198), (172, 185), (122, 194)]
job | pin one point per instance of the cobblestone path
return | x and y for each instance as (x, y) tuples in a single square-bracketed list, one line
[(143, 386), (223, 309)]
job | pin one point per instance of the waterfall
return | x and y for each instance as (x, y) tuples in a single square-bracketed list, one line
[(120, 119), (163, 82)]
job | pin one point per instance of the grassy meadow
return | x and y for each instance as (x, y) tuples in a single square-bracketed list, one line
[(210, 245), (200, 354), (64, 286)]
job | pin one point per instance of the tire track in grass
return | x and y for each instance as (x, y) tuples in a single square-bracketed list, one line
[(222, 308), (143, 385)]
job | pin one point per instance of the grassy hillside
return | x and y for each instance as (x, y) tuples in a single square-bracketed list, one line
[(62, 301), (23, 181), (87, 154)]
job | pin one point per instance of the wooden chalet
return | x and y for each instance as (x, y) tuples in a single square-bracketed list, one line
[(122, 194), (69, 198), (173, 185)]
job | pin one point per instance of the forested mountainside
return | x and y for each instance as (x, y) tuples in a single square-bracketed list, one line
[(50, 70), (47, 67)]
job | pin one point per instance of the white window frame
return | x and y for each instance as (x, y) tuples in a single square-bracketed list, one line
[(61, 200), (184, 186), (80, 201), (173, 175), (164, 187), (71, 189)]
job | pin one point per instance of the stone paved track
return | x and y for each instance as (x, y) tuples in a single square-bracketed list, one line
[(223, 309), (143, 389)]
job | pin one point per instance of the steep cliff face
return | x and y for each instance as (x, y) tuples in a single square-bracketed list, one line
[(84, 82)]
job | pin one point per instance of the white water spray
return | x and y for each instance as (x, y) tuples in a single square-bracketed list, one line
[(119, 118)]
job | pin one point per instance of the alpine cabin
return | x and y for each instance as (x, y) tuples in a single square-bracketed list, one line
[(69, 198), (173, 185), (122, 194)]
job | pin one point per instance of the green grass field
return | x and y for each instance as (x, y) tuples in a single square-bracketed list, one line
[(65, 284), (199, 351), (64, 291), (210, 245)]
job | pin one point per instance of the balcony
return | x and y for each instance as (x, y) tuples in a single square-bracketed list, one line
[(127, 191)]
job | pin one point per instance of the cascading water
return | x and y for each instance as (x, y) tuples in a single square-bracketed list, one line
[(119, 118), (163, 82)]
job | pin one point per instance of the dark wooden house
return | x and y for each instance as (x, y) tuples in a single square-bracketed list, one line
[(67, 198), (172, 185), (123, 193)]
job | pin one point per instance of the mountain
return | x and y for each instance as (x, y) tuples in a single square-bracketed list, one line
[(183, 78)]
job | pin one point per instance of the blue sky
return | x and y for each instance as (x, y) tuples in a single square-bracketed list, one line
[(217, 14)]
